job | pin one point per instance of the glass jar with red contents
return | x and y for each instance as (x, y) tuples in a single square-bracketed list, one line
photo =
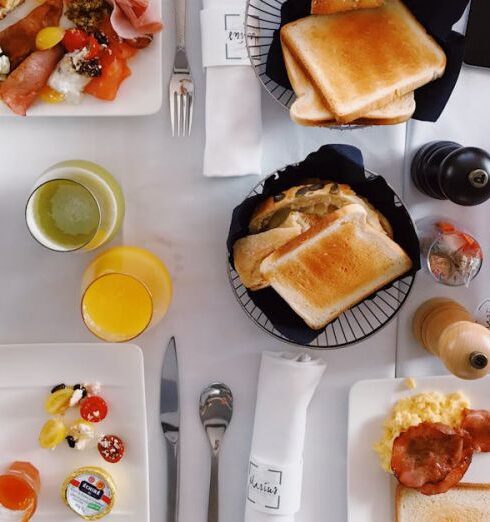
[(452, 255), (19, 488)]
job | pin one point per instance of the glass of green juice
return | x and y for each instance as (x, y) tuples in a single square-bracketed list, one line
[(75, 205)]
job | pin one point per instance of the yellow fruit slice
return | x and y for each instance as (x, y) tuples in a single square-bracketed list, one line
[(49, 95), (52, 433), (49, 37), (58, 402)]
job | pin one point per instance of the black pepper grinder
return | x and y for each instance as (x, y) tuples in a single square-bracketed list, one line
[(447, 170)]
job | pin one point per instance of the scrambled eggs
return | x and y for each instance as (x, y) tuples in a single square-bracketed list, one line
[(411, 411)]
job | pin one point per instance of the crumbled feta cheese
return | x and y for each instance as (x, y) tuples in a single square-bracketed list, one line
[(76, 397), (4, 65), (93, 388), (65, 78)]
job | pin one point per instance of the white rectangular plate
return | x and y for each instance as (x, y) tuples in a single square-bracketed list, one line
[(28, 372), (371, 491), (139, 94)]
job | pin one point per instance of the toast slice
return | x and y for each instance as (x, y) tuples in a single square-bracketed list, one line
[(334, 265), (323, 7), (310, 110), (250, 251), (361, 60), (462, 503)]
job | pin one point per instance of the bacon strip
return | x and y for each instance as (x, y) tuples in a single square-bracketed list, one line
[(456, 474), (134, 18), (431, 457), (18, 41), (477, 424), (22, 87)]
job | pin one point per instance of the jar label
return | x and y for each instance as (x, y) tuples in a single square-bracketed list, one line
[(274, 489)]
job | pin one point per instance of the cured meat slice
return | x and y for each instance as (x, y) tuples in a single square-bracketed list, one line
[(455, 475), (22, 87), (135, 18), (18, 41), (426, 453), (477, 424)]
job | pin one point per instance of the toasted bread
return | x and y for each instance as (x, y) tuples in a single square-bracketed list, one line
[(250, 251), (310, 110), (334, 265), (462, 503), (364, 59), (324, 7), (316, 199)]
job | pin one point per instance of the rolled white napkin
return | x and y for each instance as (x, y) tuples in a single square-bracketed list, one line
[(233, 95), (286, 385)]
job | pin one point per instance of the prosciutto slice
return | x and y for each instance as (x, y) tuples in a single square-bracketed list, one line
[(18, 41), (135, 18), (22, 87)]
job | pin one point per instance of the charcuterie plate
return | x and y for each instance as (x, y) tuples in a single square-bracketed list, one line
[(27, 374), (140, 94), (371, 490)]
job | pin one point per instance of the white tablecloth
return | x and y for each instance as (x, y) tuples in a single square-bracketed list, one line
[(173, 210)]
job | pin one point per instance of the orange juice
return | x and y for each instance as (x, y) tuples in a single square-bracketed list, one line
[(125, 290), (19, 487)]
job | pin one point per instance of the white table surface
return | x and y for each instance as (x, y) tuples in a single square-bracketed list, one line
[(173, 210)]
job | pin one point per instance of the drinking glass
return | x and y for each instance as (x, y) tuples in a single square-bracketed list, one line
[(125, 290), (75, 205)]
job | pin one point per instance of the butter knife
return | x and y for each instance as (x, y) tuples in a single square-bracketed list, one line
[(170, 420)]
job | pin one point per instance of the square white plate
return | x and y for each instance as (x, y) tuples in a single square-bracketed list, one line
[(28, 372), (139, 94), (371, 491)]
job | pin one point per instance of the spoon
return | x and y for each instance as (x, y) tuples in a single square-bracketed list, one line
[(215, 410)]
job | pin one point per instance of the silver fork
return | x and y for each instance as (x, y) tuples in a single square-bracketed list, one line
[(181, 90)]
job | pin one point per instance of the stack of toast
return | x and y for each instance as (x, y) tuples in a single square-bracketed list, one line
[(358, 62), (322, 248)]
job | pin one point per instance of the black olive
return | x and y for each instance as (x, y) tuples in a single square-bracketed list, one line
[(81, 387), (71, 441), (302, 191), (101, 38), (279, 197), (58, 387), (316, 186), (334, 189), (90, 68)]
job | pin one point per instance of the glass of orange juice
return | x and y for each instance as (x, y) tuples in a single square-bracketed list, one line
[(19, 488), (125, 290)]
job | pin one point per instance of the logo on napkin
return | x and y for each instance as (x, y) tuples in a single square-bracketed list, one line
[(224, 37), (274, 489)]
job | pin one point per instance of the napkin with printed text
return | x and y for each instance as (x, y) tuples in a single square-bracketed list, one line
[(287, 382), (233, 94)]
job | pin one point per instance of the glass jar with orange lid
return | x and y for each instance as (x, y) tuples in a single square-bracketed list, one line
[(19, 488), (125, 290)]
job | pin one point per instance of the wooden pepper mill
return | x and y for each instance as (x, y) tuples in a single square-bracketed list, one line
[(447, 330)]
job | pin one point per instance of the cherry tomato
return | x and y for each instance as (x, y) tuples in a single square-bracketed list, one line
[(75, 39), (94, 48), (111, 448), (93, 409)]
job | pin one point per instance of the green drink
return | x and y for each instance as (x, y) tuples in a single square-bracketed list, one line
[(75, 205)]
